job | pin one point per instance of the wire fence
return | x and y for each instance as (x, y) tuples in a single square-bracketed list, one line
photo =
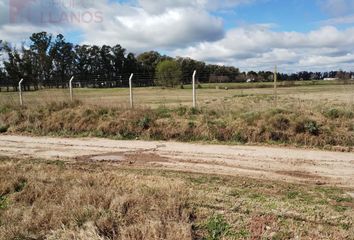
[(210, 89)]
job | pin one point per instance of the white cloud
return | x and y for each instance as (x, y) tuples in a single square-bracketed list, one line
[(157, 6), (337, 7), (189, 28), (138, 29), (262, 48)]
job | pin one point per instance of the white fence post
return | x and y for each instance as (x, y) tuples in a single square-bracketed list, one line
[(194, 90), (20, 91), (275, 86), (71, 89), (131, 90)]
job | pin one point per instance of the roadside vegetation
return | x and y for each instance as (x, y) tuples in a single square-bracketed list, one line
[(41, 199), (236, 119)]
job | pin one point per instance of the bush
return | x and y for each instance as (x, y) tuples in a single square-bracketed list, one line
[(312, 128), (333, 113), (144, 123), (280, 122), (3, 128), (307, 126), (194, 111)]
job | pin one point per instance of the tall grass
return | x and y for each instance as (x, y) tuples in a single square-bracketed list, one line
[(296, 123)]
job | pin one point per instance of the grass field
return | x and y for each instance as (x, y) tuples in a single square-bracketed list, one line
[(311, 115), (323, 92), (41, 199)]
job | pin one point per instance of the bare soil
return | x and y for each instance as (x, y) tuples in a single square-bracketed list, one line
[(271, 163)]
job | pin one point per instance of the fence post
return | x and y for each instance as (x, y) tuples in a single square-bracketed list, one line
[(20, 91), (194, 90), (71, 89), (131, 90), (275, 86)]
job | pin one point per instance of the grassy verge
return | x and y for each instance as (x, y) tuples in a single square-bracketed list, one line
[(320, 126), (69, 200)]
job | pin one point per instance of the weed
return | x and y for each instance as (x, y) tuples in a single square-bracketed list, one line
[(3, 202), (20, 184), (181, 111), (163, 112), (292, 194), (234, 193), (342, 199), (217, 227), (258, 197), (333, 113), (194, 111), (5, 109), (341, 209)]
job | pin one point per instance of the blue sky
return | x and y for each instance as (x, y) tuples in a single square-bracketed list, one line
[(250, 34)]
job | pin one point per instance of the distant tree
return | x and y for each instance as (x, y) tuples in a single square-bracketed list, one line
[(168, 74), (63, 58), (149, 59), (118, 59), (42, 62)]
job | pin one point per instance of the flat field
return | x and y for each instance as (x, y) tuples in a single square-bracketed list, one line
[(209, 95)]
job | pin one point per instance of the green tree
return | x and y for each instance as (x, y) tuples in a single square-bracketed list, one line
[(40, 46), (168, 74), (63, 57)]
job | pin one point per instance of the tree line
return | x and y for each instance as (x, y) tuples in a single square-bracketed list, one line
[(50, 61)]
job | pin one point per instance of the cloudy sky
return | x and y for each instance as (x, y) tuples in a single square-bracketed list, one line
[(249, 34)]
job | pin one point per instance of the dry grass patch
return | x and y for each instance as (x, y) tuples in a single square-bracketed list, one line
[(321, 126), (46, 201), (76, 200)]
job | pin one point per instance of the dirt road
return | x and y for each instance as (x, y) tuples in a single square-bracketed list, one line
[(284, 164)]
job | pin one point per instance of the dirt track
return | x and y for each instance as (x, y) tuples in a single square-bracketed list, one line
[(294, 165)]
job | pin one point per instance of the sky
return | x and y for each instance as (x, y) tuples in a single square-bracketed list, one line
[(295, 35)]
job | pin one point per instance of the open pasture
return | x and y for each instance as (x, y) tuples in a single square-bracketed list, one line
[(208, 95)]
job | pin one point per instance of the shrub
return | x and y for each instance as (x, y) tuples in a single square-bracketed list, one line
[(312, 127), (307, 126), (3, 128), (181, 111), (163, 112), (144, 123), (280, 122), (239, 137), (194, 111), (333, 113), (251, 117)]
